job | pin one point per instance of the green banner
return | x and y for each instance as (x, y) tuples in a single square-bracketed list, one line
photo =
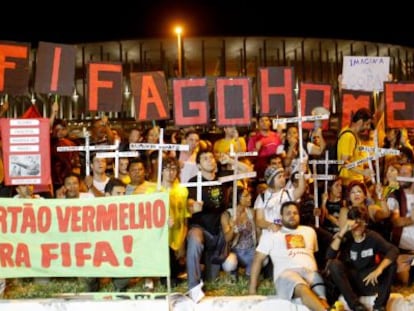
[(122, 236)]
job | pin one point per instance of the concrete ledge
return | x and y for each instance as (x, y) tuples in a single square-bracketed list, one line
[(176, 302), (240, 303)]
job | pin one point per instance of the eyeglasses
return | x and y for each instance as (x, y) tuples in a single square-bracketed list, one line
[(171, 168)]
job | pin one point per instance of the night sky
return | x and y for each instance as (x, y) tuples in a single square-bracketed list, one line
[(74, 23)]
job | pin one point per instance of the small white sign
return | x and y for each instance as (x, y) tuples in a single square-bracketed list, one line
[(365, 73)]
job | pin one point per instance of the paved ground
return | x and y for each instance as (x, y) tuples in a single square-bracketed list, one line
[(176, 302)]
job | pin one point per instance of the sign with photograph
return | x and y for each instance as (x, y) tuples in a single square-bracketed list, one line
[(26, 151)]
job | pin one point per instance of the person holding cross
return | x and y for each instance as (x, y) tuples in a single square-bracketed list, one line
[(267, 210), (205, 222), (96, 183), (63, 163), (230, 142), (178, 216), (188, 158), (348, 147), (239, 230), (152, 136), (266, 142), (101, 132)]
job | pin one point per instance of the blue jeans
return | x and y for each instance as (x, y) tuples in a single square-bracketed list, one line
[(245, 258), (200, 242)]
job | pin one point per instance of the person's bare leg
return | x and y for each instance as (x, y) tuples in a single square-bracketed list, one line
[(309, 298), (255, 272)]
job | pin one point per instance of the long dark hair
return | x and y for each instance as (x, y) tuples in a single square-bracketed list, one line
[(387, 142)]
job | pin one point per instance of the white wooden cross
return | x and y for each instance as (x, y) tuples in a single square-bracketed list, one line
[(378, 152), (87, 148), (236, 176), (299, 119), (405, 179), (315, 194), (325, 177), (358, 162), (317, 177), (116, 155), (161, 146), (200, 184), (327, 162)]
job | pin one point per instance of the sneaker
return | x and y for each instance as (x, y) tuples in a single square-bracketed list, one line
[(196, 293), (337, 306), (149, 284)]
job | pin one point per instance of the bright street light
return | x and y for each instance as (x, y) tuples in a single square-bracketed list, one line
[(178, 31)]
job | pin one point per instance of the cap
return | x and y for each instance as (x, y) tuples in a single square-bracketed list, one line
[(271, 173)]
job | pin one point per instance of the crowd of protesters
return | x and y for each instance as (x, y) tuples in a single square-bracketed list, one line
[(360, 239)]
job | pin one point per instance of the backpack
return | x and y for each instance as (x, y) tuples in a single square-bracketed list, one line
[(333, 151)]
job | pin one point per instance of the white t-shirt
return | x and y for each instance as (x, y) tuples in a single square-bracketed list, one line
[(290, 248), (85, 195), (100, 185), (407, 235), (272, 202), (188, 171)]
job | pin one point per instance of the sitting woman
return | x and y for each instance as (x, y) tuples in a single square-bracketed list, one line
[(378, 212), (361, 262), (332, 202), (240, 233)]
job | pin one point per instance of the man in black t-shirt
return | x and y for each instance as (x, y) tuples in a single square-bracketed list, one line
[(362, 262), (204, 224)]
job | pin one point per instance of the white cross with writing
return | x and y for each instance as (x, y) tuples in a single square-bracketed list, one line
[(200, 184), (299, 119), (87, 148), (116, 155), (378, 152), (326, 162), (236, 176), (161, 146)]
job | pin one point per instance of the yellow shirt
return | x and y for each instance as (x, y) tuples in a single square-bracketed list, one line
[(179, 213), (222, 145), (348, 146), (146, 187)]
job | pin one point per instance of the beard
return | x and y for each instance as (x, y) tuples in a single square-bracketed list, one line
[(290, 224)]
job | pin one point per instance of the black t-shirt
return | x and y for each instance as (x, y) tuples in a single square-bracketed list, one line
[(214, 198), (333, 209), (362, 256)]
